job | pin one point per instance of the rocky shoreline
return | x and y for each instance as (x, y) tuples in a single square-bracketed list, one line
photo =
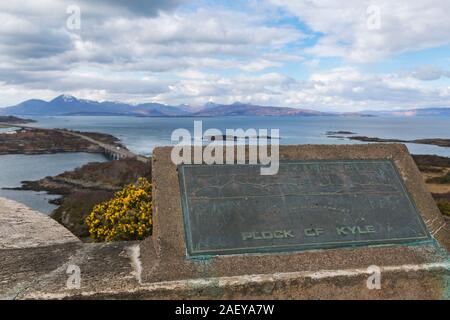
[(436, 142), (351, 136)]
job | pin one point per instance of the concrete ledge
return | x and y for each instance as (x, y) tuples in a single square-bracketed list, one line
[(113, 271), (36, 251), (42, 273), (120, 281), (21, 227)]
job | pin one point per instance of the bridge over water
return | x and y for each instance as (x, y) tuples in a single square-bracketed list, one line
[(111, 151)]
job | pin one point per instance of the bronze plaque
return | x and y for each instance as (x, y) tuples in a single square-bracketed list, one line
[(232, 209)]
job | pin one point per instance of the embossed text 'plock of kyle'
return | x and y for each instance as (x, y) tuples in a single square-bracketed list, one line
[(309, 232)]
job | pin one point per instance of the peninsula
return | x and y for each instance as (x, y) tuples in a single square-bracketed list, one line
[(6, 121), (46, 141)]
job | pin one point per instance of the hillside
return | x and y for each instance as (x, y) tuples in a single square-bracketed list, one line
[(241, 109), (71, 106)]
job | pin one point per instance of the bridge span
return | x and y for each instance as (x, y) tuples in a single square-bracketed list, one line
[(113, 152)]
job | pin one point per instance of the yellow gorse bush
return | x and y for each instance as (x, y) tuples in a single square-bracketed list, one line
[(128, 216)]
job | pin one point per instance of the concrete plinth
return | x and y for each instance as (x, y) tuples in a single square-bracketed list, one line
[(409, 270)]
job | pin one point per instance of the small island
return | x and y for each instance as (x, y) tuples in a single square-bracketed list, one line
[(333, 133), (351, 136)]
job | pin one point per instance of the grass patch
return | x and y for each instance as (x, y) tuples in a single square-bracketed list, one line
[(445, 179), (429, 169), (435, 161)]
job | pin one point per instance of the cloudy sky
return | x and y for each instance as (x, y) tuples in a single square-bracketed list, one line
[(336, 55)]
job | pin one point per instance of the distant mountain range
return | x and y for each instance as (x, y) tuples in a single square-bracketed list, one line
[(66, 105), (242, 109)]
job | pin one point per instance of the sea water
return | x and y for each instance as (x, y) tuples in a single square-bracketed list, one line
[(142, 134), (17, 168)]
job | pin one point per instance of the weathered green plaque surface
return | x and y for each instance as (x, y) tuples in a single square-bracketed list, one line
[(232, 209)]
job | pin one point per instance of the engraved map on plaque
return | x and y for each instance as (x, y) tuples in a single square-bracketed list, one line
[(232, 209)]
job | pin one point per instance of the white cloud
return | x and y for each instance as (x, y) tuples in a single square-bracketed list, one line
[(38, 52), (341, 89), (405, 25), (260, 64), (313, 63), (429, 73)]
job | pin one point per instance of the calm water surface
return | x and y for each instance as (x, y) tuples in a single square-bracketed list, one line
[(141, 135), (17, 168)]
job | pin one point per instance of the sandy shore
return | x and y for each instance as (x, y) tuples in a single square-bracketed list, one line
[(21, 227)]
